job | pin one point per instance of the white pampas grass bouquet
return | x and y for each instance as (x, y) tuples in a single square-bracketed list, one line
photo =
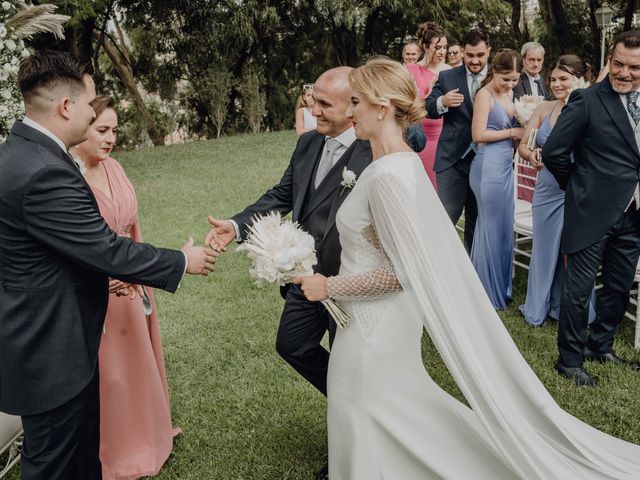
[(525, 106), (279, 251)]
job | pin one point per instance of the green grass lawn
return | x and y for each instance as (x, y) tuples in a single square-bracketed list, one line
[(245, 414)]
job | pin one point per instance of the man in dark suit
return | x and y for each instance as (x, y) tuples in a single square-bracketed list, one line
[(452, 98), (601, 126), (531, 80), (56, 256), (310, 189)]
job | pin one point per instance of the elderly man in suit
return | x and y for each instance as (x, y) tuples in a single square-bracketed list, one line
[(531, 80), (452, 98), (56, 256), (310, 189), (601, 126)]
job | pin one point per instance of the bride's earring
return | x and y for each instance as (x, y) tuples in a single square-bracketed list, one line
[(380, 117)]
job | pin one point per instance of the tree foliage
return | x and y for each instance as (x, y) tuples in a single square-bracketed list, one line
[(238, 65)]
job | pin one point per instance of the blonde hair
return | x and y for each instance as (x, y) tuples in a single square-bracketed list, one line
[(302, 102), (385, 82)]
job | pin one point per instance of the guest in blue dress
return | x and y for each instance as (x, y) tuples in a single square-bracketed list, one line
[(494, 128), (546, 268)]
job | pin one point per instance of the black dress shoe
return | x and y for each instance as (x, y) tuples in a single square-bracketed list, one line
[(323, 474), (576, 374), (609, 357)]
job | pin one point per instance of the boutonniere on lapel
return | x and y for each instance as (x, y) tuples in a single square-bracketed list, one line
[(348, 179)]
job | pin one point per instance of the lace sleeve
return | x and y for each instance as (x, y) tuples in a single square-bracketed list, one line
[(365, 286)]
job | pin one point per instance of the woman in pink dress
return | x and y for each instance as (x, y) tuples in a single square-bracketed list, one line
[(433, 40), (136, 435)]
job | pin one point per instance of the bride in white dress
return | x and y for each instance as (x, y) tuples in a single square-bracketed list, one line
[(403, 266)]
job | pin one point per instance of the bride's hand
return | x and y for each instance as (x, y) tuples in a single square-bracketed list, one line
[(313, 287)]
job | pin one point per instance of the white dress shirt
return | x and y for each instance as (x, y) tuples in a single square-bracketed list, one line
[(36, 126), (636, 132), (481, 76), (345, 139), (535, 88)]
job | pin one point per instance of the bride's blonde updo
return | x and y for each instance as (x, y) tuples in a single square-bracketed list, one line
[(385, 82)]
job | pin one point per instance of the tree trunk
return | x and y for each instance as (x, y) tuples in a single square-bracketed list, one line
[(516, 12), (628, 14), (125, 72)]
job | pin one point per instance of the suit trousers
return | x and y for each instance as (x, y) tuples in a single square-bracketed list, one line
[(618, 252), (455, 194), (64, 443), (302, 327)]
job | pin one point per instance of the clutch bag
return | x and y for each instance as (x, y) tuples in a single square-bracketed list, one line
[(531, 141)]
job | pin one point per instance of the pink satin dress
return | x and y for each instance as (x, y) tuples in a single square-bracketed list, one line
[(136, 435), (432, 127)]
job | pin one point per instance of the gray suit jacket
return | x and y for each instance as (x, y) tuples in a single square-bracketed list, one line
[(523, 87), (315, 210), (56, 254)]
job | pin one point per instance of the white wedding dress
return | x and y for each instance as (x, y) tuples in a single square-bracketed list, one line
[(403, 266)]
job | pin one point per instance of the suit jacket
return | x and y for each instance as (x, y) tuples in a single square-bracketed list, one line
[(523, 87), (56, 254), (456, 131), (315, 210), (600, 183)]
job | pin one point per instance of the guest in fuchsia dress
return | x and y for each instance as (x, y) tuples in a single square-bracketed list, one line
[(136, 435), (433, 40)]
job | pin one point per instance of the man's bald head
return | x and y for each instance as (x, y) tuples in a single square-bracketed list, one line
[(332, 94), (336, 80)]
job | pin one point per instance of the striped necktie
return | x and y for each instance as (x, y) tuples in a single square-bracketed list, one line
[(632, 105)]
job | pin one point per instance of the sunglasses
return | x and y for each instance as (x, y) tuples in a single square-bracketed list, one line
[(307, 86), (453, 52)]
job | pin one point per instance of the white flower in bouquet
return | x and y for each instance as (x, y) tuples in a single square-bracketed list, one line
[(525, 106), (279, 251), (19, 20), (575, 85)]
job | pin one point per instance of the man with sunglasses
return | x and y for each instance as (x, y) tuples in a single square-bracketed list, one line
[(454, 55)]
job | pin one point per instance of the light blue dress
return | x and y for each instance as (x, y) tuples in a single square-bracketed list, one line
[(491, 179), (546, 270)]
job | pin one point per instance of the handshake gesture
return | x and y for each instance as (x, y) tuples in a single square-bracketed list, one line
[(221, 234), (200, 261)]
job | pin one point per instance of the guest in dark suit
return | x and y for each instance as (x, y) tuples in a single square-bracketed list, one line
[(531, 80), (601, 126), (56, 256), (310, 189), (452, 98)]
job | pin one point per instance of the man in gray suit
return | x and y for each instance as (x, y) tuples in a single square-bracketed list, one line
[(531, 80), (310, 189), (56, 257)]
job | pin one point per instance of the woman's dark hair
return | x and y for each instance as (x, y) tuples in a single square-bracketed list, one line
[(427, 31), (48, 69), (100, 104), (505, 61), (573, 65), (475, 37)]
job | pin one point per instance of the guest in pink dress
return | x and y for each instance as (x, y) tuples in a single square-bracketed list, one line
[(136, 435), (433, 40)]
